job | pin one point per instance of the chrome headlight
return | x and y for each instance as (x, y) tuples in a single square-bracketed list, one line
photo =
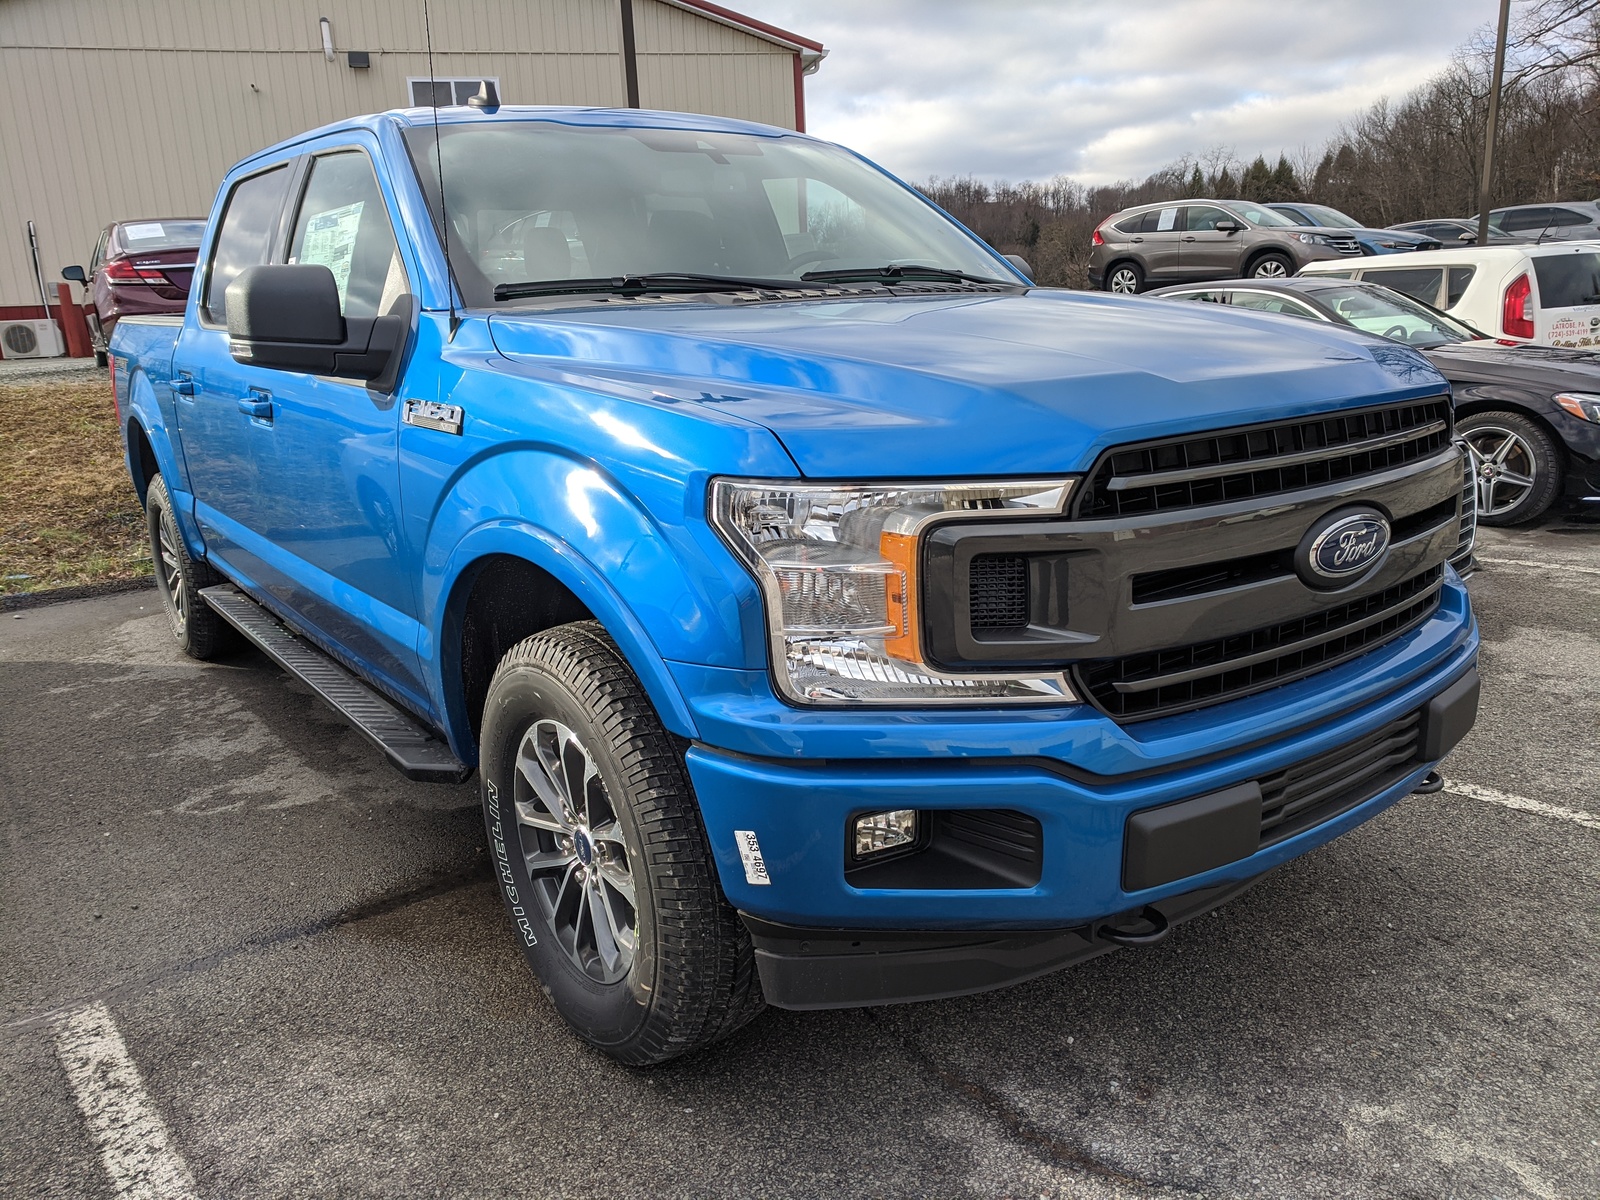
[(1314, 239), (838, 567), (1582, 405)]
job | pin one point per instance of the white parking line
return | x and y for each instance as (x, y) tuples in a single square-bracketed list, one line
[(1489, 796), (1529, 562), (134, 1145)]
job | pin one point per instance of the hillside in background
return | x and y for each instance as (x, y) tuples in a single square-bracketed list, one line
[(1421, 156)]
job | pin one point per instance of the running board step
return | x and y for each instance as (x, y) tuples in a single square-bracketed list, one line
[(411, 748)]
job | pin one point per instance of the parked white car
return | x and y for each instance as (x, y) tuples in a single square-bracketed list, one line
[(1548, 294)]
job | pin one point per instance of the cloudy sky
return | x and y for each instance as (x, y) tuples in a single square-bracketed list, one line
[(1105, 90)]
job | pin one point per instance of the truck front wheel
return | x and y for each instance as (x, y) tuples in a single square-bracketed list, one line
[(601, 855)]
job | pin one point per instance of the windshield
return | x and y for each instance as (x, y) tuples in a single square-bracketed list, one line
[(145, 237), (1330, 218), (1260, 214), (1399, 318), (534, 201)]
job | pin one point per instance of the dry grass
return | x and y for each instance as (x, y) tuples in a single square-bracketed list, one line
[(71, 514)]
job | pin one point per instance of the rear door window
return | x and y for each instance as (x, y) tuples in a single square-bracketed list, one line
[(1568, 280), (1457, 280), (1566, 216), (1422, 282), (245, 237)]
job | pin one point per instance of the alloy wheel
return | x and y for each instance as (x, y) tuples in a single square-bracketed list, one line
[(1504, 469), (577, 855), (1270, 268), (1125, 281), (172, 572)]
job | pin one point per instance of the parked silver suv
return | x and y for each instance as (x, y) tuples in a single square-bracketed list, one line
[(1569, 221), (1180, 241)]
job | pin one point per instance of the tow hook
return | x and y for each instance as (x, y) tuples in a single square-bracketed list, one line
[(1431, 782), (1159, 928)]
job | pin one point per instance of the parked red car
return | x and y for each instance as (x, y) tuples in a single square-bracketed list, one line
[(139, 267)]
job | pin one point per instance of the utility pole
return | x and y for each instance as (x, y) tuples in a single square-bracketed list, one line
[(1494, 120)]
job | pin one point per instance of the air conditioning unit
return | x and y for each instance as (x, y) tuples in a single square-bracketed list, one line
[(30, 339)]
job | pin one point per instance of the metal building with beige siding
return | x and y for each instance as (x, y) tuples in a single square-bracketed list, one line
[(115, 109)]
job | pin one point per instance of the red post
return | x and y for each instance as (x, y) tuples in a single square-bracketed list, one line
[(74, 326)]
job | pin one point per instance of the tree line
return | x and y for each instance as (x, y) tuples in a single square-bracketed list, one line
[(1405, 160)]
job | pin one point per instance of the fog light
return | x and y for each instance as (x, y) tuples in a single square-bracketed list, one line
[(878, 832)]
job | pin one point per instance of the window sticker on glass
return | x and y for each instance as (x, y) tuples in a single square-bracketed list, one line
[(144, 231), (1169, 218), (330, 239)]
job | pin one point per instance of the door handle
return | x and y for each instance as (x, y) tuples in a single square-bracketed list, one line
[(257, 405), (1189, 237), (183, 385), (1137, 239)]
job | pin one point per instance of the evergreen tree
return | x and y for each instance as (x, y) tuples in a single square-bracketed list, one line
[(1254, 183), (1197, 182), (1283, 185), (1225, 187)]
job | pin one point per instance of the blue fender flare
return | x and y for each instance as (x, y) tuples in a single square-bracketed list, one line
[(516, 538)]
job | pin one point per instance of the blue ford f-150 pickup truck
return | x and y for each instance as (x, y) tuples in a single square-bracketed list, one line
[(832, 617)]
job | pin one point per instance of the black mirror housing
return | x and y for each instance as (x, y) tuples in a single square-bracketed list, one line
[(286, 315), (1228, 227), (75, 275), (1021, 264)]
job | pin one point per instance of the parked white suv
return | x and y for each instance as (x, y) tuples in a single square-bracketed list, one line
[(1548, 294)]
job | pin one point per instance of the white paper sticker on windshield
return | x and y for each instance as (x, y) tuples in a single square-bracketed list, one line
[(331, 239), (143, 231), (755, 867)]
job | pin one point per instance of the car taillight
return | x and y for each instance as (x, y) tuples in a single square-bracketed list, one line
[(1514, 311), (122, 271), (1097, 240)]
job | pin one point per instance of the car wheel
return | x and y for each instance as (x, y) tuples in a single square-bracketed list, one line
[(1125, 278), (602, 858), (1516, 465), (1271, 266), (198, 629)]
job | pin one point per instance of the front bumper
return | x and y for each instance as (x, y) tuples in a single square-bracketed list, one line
[(795, 778)]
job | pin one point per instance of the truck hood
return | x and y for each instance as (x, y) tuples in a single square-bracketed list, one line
[(1016, 384)]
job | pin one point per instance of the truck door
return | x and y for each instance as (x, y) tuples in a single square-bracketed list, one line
[(318, 529)]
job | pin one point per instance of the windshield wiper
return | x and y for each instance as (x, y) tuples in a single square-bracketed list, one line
[(637, 285), (896, 272)]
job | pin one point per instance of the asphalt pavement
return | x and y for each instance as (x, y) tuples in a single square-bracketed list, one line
[(240, 956)]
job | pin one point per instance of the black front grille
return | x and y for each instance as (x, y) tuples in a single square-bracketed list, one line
[(1162, 682), (1320, 788), (1461, 556), (1262, 460), (998, 591)]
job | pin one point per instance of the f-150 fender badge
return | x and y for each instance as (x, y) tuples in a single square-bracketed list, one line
[(430, 414), (755, 867)]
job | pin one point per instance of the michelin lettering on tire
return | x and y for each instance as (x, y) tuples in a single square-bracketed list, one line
[(503, 869)]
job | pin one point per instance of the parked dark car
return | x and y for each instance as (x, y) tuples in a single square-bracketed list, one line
[(142, 267), (1450, 230), (1372, 241), (1184, 240), (1569, 221), (1530, 415)]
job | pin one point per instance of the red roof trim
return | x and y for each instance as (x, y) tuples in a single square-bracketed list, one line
[(760, 28)]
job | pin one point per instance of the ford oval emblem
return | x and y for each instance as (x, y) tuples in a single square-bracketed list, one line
[(1342, 547)]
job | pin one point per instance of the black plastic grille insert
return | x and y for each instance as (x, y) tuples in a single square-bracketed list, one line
[(998, 591), (1262, 460), (1159, 683)]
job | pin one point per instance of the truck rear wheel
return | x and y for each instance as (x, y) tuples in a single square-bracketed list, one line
[(601, 855), (200, 632)]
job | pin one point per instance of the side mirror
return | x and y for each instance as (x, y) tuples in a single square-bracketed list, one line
[(1021, 264), (75, 275), (1468, 237), (1228, 227), (287, 316)]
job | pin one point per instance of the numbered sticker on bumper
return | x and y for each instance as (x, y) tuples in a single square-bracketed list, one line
[(755, 867)]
